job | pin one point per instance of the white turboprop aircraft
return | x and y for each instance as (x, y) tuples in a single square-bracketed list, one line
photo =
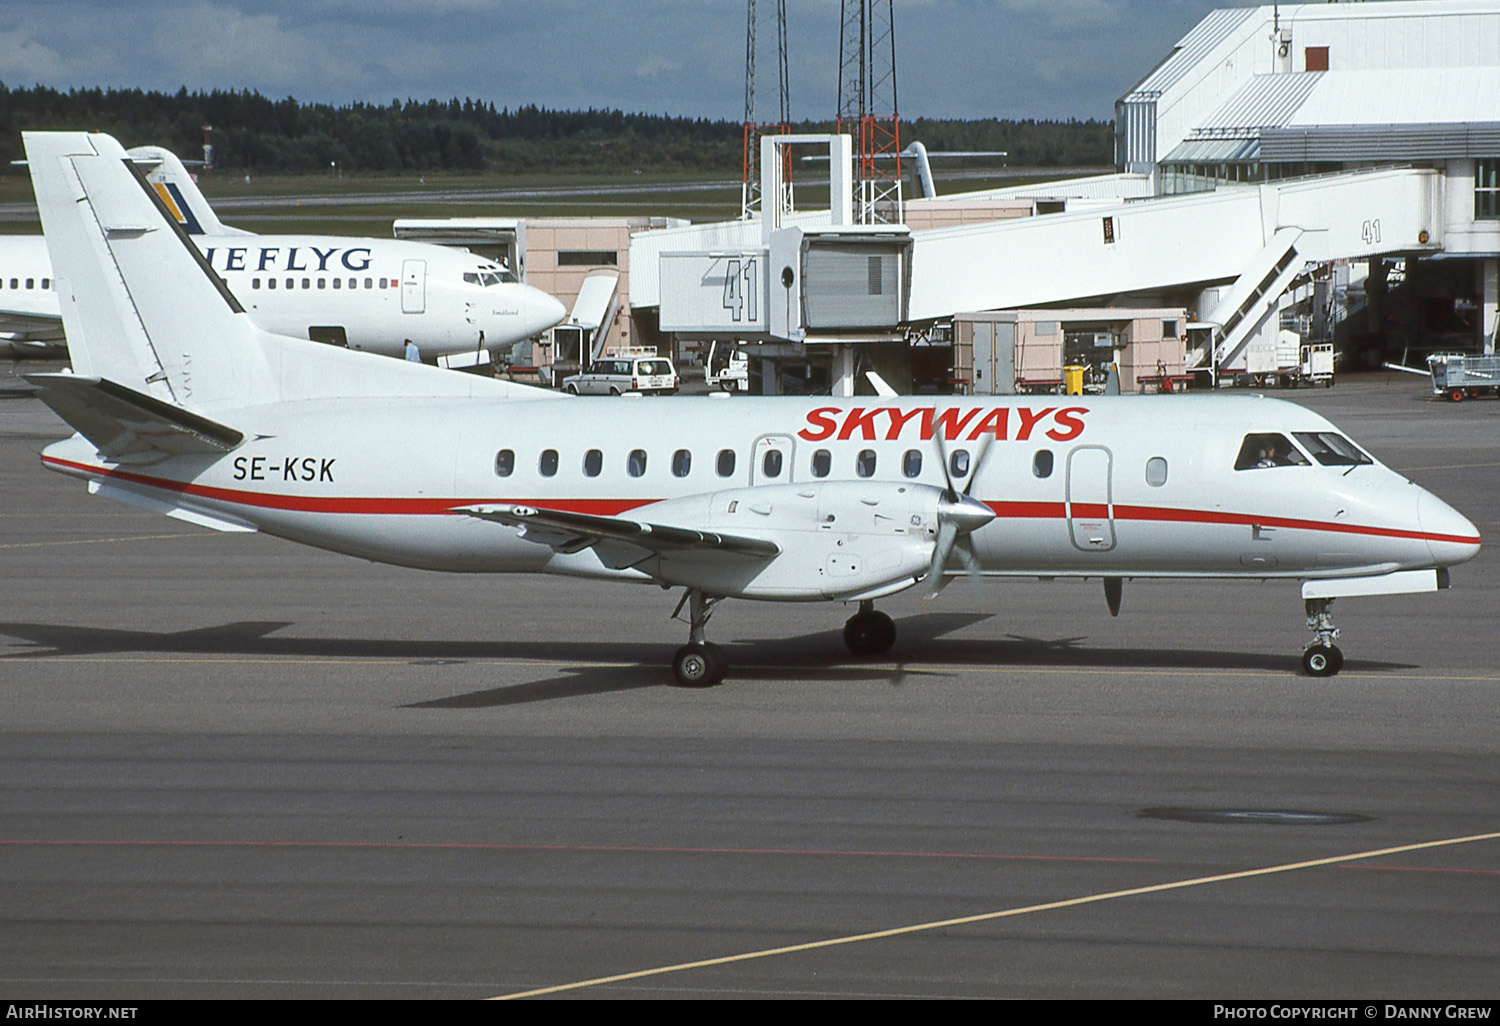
[(186, 407), (366, 294)]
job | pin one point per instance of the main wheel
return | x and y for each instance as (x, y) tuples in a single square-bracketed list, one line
[(699, 666), (571, 389), (1322, 660), (869, 634)]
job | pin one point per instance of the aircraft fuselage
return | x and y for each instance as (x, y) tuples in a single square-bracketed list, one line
[(1127, 487)]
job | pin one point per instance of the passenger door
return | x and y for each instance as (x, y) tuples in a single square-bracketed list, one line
[(1091, 514), (414, 286)]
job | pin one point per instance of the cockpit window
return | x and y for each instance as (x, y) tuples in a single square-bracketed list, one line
[(1331, 450), (1268, 450), (471, 278)]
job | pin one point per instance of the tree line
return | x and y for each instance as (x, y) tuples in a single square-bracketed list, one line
[(254, 133)]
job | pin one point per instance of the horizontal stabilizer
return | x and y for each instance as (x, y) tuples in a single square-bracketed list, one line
[(123, 422), (587, 529)]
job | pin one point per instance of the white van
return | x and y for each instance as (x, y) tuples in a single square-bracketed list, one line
[(616, 375)]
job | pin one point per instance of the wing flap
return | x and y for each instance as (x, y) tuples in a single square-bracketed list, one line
[(123, 422), (572, 531)]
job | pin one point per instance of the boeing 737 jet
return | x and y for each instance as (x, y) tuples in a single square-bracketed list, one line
[(189, 408), (365, 294)]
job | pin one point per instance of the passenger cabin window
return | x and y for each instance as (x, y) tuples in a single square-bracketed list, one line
[(1268, 450), (1330, 449), (505, 462), (864, 463), (724, 466), (770, 463), (1156, 471), (547, 465), (822, 463), (593, 463), (911, 463), (1041, 463), (682, 463), (958, 463), (635, 466)]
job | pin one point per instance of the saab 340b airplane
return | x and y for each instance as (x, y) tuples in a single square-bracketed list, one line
[(366, 294), (183, 405)]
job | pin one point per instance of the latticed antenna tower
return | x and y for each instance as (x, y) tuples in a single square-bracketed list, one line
[(750, 200), (867, 107)]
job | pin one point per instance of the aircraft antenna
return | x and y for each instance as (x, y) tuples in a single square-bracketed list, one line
[(868, 110), (750, 198)]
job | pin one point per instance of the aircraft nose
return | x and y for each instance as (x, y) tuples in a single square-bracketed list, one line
[(542, 311), (1451, 537)]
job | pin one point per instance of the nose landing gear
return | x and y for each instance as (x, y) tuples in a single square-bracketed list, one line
[(869, 632)]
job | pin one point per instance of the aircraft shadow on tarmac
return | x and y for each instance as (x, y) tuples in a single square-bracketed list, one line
[(591, 667)]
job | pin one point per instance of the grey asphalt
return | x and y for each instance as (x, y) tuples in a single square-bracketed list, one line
[(234, 767)]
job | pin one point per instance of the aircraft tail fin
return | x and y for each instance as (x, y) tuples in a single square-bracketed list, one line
[(140, 305), (179, 192), (143, 309)]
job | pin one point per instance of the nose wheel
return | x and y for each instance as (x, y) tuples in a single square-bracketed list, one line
[(700, 663), (869, 632), (1322, 657)]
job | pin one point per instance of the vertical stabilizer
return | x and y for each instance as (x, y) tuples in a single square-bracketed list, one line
[(178, 192), (140, 305)]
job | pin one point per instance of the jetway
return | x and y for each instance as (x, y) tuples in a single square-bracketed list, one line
[(1171, 242), (1256, 238)]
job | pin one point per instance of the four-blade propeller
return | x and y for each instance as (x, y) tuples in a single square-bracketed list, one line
[(958, 514)]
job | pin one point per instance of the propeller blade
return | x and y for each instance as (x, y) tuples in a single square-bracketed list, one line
[(977, 460), (941, 549)]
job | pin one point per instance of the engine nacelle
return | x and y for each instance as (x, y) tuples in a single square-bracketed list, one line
[(840, 540)]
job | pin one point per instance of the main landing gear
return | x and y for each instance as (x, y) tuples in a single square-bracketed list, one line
[(869, 632), (1322, 657), (700, 663)]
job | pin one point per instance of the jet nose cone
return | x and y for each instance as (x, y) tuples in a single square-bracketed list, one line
[(1451, 538), (542, 311)]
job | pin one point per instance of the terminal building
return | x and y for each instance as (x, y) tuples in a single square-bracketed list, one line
[(1288, 175)]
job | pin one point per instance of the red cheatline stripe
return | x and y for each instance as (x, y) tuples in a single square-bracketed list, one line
[(614, 507)]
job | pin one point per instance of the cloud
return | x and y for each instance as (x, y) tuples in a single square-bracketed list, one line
[(24, 61), (655, 67)]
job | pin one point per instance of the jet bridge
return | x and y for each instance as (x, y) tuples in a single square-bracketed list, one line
[(796, 283)]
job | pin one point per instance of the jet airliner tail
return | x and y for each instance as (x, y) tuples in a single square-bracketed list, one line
[(143, 310), (179, 193)]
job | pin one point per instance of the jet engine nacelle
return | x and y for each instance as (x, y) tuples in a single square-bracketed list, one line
[(842, 540)]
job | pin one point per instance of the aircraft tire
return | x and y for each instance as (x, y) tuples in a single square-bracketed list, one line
[(699, 666), (869, 634), (1322, 660)]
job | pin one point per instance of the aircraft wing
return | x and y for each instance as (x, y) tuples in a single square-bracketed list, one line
[(123, 422), (572, 532), (20, 322)]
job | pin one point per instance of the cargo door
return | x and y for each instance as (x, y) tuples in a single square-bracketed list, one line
[(1091, 514), (413, 286)]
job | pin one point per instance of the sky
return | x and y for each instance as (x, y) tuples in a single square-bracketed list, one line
[(1045, 59)]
